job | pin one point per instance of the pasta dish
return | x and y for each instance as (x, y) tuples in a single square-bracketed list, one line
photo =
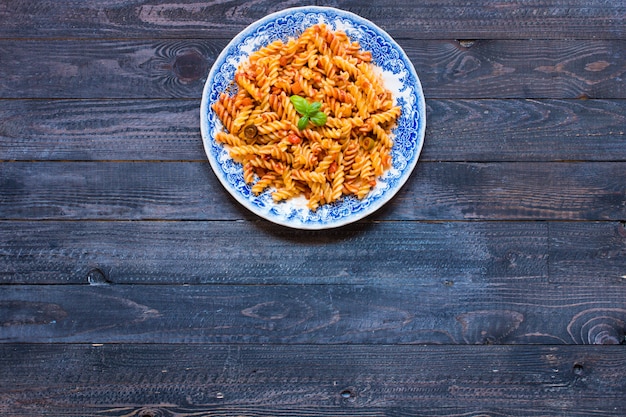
[(309, 117)]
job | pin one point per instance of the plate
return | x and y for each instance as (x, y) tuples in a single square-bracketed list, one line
[(399, 77)]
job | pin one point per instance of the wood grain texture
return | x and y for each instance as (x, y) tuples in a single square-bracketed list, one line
[(157, 130), (519, 69), (584, 253), (507, 191), (106, 69), (261, 253), (256, 380), (390, 311), (435, 191), (133, 285), (484, 19), (525, 130), (171, 68), (131, 19), (169, 130), (536, 19), (598, 253)]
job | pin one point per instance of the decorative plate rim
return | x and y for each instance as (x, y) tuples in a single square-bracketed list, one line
[(287, 213)]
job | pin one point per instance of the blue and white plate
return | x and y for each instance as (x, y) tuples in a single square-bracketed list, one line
[(398, 75)]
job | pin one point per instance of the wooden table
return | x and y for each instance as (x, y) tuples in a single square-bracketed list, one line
[(494, 284)]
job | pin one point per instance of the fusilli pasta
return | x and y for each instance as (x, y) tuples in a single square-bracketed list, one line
[(346, 155)]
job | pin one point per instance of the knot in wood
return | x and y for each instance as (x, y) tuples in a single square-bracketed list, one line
[(97, 277), (598, 326), (466, 43), (149, 412), (348, 394), (578, 369), (604, 334), (189, 66)]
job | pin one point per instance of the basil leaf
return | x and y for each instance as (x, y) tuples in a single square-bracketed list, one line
[(304, 120), (300, 104), (319, 118), (314, 108)]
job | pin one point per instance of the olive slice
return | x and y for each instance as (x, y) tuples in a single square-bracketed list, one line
[(250, 131)]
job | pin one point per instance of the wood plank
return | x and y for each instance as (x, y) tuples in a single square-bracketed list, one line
[(522, 130), (190, 191), (484, 19), (578, 253), (519, 69), (271, 380), (447, 69), (106, 69), (154, 130), (114, 191), (489, 19), (130, 19), (391, 311), (217, 252), (101, 130), (498, 191)]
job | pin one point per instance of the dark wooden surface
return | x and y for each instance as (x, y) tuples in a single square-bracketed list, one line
[(132, 284)]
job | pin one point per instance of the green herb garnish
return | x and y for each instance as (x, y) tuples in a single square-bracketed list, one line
[(309, 111)]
